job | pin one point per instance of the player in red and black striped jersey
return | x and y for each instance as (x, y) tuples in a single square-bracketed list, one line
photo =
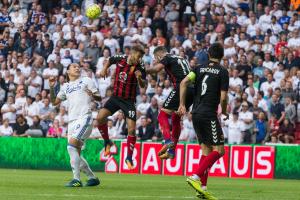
[(177, 69), (130, 73)]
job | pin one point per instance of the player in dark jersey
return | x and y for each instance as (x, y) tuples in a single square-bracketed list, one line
[(211, 87), (177, 69), (130, 73)]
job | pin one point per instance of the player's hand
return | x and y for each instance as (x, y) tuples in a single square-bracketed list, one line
[(226, 116), (103, 73), (138, 74), (52, 81), (181, 110), (89, 92)]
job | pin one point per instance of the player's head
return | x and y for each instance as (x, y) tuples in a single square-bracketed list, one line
[(73, 71), (216, 51), (136, 54), (159, 53)]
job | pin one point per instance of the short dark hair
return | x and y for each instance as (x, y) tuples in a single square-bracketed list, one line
[(216, 51), (159, 49), (139, 49)]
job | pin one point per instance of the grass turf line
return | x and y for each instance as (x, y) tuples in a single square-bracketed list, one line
[(49, 185)]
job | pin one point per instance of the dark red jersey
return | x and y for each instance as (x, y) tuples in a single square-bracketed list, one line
[(176, 67), (125, 85)]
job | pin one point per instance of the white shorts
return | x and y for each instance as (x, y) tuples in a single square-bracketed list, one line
[(81, 128)]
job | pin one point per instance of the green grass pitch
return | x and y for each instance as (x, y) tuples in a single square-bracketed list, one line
[(49, 185)]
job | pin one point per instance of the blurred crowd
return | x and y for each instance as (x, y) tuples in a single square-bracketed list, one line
[(39, 39)]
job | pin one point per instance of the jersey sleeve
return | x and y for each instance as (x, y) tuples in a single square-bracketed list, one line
[(91, 85), (224, 80), (116, 58), (62, 94)]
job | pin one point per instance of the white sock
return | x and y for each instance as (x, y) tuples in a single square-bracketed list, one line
[(85, 168), (196, 177), (74, 161)]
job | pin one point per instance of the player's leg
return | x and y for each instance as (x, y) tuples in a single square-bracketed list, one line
[(74, 148), (205, 151), (164, 115), (84, 166), (206, 132), (131, 140), (129, 111), (110, 107)]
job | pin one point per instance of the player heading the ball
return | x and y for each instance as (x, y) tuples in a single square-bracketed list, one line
[(177, 68), (130, 72)]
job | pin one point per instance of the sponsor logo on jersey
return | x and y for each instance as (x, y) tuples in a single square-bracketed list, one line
[(74, 88), (123, 77)]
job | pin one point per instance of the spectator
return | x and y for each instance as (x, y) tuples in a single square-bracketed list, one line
[(143, 106), (112, 131), (152, 114), (20, 127), (286, 132), (6, 129), (235, 129), (30, 110), (8, 110), (188, 128), (95, 131), (145, 131), (120, 125), (261, 129), (290, 110), (277, 109), (35, 130), (246, 118), (35, 83), (270, 83), (55, 130), (45, 114)]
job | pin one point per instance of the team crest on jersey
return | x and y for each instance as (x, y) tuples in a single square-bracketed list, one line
[(123, 77)]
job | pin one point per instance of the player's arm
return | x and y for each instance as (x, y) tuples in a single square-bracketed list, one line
[(92, 90), (140, 75), (139, 78), (190, 78), (53, 98), (224, 91), (154, 70), (103, 73)]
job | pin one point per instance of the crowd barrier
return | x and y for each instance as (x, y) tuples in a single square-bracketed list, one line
[(239, 161)]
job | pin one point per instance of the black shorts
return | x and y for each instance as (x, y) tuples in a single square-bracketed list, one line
[(114, 104), (208, 129), (173, 100)]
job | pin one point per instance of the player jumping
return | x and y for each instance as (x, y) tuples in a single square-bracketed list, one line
[(79, 93), (177, 68), (211, 87), (130, 73)]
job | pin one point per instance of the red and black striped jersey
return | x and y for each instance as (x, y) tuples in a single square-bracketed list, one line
[(125, 85), (176, 67)]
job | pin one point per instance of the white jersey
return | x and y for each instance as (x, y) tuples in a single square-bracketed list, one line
[(78, 100)]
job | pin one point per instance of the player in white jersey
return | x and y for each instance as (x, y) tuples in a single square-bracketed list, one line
[(79, 93)]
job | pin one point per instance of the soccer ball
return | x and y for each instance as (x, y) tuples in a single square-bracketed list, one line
[(93, 11)]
